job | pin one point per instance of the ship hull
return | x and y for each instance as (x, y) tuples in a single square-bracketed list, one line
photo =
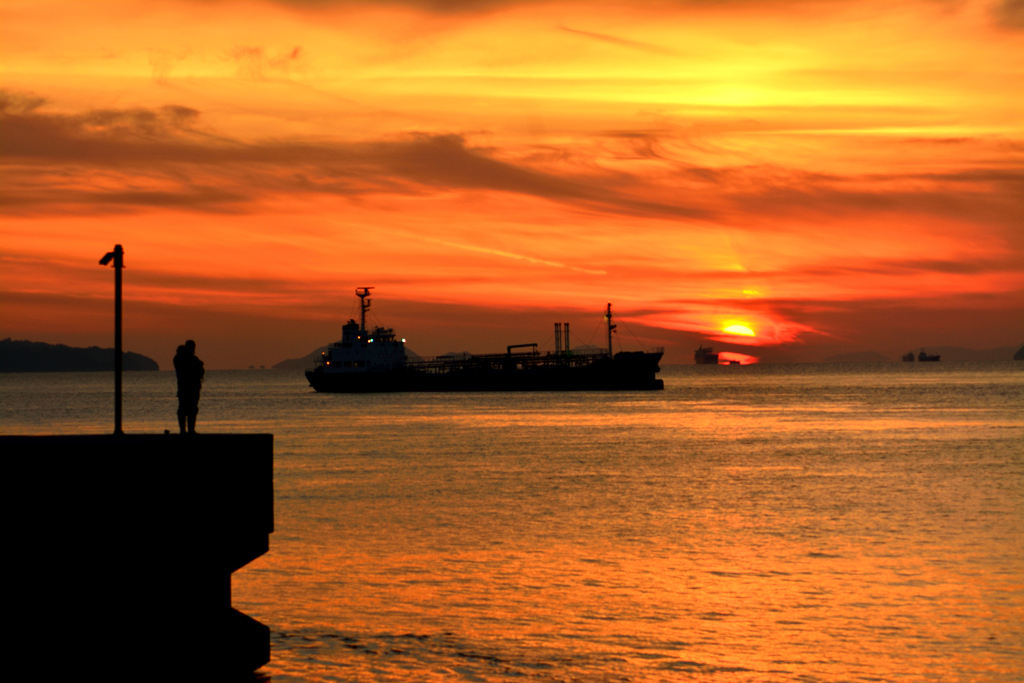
[(626, 372)]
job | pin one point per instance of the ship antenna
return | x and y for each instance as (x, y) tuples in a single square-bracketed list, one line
[(364, 305), (608, 317)]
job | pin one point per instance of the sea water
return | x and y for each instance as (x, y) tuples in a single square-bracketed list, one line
[(748, 523)]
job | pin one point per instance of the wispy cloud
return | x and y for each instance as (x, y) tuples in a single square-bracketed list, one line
[(517, 257), (198, 167), (171, 141), (1010, 13), (621, 42)]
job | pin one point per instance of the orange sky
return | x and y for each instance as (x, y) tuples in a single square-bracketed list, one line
[(834, 176)]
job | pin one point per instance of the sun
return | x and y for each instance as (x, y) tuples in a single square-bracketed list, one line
[(741, 330)]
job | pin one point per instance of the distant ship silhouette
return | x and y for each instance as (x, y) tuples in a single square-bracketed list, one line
[(705, 356)]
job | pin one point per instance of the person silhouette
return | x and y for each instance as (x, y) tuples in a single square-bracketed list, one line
[(189, 371)]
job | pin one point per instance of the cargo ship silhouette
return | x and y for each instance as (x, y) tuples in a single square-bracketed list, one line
[(375, 361)]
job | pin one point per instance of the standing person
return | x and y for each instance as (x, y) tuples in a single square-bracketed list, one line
[(190, 371)]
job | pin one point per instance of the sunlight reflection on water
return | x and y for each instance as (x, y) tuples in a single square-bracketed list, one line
[(748, 523)]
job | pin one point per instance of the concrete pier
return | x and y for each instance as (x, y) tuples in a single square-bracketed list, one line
[(123, 549)]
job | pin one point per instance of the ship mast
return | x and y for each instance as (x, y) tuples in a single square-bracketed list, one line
[(364, 305), (608, 317)]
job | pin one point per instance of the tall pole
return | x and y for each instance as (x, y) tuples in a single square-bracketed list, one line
[(118, 257), (608, 317), (364, 305), (118, 354)]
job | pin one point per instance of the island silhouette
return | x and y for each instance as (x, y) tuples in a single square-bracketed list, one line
[(29, 356)]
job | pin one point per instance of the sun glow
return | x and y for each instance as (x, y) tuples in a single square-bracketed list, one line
[(738, 329), (733, 358)]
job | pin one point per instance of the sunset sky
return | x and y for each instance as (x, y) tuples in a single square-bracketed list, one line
[(832, 176)]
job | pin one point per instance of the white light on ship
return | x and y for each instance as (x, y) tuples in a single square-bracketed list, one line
[(403, 340)]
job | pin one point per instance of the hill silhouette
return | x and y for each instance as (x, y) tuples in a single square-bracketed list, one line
[(956, 353), (29, 356), (859, 357), (948, 353), (303, 363)]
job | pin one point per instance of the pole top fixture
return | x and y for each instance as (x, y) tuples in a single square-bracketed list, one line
[(117, 256)]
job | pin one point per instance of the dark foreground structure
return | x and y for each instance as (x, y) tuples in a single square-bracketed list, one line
[(121, 550)]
